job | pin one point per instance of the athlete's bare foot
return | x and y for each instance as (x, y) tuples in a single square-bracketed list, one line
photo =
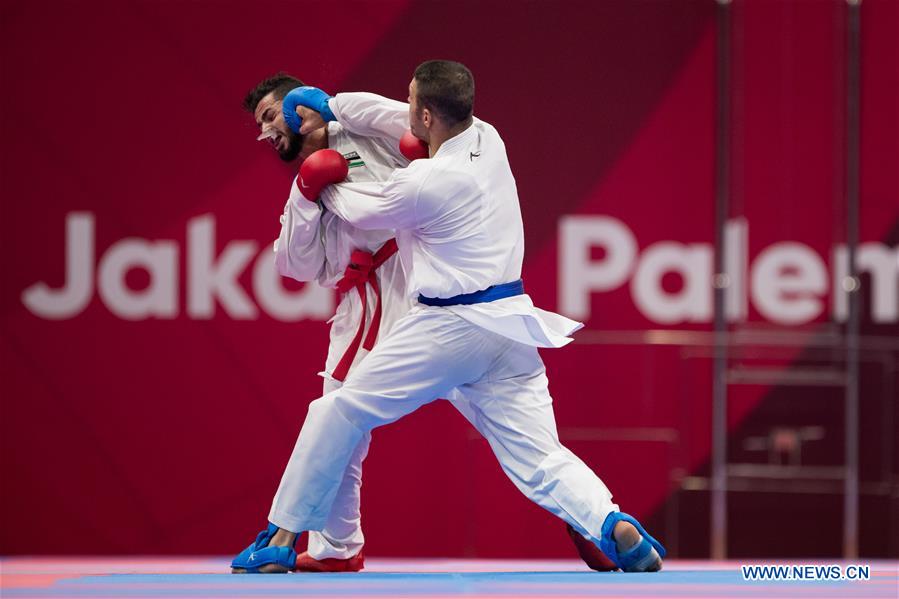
[(626, 536), (282, 538)]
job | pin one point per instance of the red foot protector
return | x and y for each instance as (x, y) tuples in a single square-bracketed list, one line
[(305, 563), (590, 553)]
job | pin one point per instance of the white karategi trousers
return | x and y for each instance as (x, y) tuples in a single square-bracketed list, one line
[(501, 388), (341, 536)]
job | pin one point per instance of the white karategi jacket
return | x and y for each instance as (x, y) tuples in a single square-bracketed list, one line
[(442, 209), (315, 245)]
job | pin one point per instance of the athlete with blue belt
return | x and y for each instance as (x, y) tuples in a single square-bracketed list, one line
[(474, 332)]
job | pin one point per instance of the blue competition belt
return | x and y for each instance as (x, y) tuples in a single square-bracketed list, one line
[(490, 294)]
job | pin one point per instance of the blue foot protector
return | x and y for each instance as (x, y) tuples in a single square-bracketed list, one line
[(260, 554), (639, 557)]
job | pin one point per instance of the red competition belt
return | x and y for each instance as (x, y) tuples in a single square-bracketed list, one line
[(359, 272)]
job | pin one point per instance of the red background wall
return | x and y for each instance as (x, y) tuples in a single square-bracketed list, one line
[(169, 435)]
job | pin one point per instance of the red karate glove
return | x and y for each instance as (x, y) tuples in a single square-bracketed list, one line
[(412, 147), (322, 168)]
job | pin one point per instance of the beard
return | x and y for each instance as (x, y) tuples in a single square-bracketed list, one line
[(294, 145)]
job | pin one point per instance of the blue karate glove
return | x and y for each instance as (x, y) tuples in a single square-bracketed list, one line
[(310, 97)]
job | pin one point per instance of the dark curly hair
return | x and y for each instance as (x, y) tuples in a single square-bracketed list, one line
[(280, 83)]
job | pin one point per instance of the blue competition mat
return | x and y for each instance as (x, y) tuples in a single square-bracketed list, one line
[(193, 577)]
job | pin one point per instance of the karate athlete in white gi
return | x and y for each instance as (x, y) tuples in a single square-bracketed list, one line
[(460, 239), (314, 245)]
